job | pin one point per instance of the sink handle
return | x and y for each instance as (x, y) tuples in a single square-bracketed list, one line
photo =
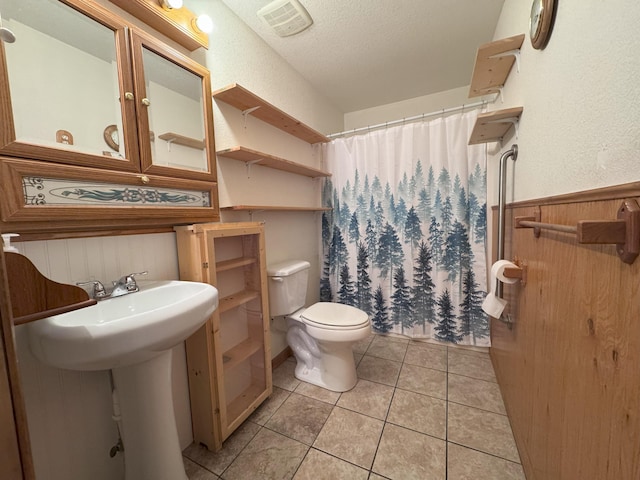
[(98, 288), (130, 282)]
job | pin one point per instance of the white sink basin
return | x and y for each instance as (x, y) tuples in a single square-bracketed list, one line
[(124, 330)]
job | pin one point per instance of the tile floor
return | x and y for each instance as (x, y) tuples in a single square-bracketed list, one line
[(418, 411)]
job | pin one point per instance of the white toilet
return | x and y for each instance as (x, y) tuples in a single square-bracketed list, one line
[(321, 336)]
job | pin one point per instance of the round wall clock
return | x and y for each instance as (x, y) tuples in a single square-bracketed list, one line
[(541, 22)]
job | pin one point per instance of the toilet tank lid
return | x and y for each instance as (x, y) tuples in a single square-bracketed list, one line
[(284, 269)]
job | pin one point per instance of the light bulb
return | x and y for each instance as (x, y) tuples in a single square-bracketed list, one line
[(171, 4), (204, 23)]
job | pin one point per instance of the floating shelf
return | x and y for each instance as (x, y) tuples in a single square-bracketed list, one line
[(249, 103), (273, 208), (492, 126), (492, 68), (182, 140), (251, 157)]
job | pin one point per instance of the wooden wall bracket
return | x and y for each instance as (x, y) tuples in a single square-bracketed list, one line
[(624, 231), (519, 271)]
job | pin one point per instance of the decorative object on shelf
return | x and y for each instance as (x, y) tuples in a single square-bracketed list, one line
[(65, 137), (112, 138), (541, 22)]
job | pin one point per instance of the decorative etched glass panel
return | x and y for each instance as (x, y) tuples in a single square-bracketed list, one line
[(54, 191)]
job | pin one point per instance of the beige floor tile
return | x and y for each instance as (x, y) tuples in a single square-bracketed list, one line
[(350, 436), (388, 347), (475, 393), (232, 446), (269, 456), (357, 357), (467, 464), (474, 365), (423, 380), (284, 377), (405, 454), (391, 337), (425, 355), (481, 430), (362, 345), (369, 398), (300, 418), (196, 472), (375, 476), (319, 393), (419, 412), (471, 350), (379, 370), (318, 465), (269, 406)]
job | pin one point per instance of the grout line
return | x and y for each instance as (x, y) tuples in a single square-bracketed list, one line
[(486, 453)]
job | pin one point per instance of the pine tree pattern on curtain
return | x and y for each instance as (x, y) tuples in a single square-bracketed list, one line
[(405, 239)]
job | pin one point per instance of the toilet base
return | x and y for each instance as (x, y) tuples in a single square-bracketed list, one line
[(336, 371)]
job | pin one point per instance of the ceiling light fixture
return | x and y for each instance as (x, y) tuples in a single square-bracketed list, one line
[(285, 17), (204, 23), (171, 4)]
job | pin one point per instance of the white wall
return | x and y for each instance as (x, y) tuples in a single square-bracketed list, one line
[(70, 412), (580, 128)]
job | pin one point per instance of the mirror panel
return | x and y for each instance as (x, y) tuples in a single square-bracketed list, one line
[(63, 78), (175, 114)]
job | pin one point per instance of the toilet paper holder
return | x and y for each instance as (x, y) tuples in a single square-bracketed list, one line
[(519, 271)]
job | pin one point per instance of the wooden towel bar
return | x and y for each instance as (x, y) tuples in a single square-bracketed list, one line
[(624, 231)]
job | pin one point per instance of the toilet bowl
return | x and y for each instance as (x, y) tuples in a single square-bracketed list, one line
[(320, 336)]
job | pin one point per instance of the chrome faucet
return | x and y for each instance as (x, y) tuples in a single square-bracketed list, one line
[(124, 285)]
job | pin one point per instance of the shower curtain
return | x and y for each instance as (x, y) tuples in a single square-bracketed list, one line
[(405, 237)]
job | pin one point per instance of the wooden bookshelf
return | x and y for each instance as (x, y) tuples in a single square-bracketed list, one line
[(251, 157), (244, 100)]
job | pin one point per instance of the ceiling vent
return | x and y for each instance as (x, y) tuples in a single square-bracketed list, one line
[(285, 17)]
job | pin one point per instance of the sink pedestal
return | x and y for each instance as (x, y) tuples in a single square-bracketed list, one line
[(149, 433)]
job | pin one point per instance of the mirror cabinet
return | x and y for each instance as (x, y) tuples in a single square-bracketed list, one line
[(103, 126)]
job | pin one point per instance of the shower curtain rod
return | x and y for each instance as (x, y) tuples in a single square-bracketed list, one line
[(444, 111)]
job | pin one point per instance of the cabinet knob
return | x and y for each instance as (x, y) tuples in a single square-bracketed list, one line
[(128, 96), (144, 179), (146, 102)]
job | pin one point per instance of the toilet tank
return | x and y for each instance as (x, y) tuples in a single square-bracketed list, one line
[(287, 286)]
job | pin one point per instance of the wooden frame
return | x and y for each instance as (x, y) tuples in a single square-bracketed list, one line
[(19, 217), (212, 362), (64, 163)]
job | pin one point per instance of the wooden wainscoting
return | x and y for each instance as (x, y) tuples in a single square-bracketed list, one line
[(569, 367)]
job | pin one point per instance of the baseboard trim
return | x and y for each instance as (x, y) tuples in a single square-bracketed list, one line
[(281, 358)]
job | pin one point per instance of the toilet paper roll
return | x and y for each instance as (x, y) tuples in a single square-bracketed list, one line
[(492, 305)]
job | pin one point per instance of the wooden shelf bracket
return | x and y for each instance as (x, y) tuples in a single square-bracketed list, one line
[(624, 231)]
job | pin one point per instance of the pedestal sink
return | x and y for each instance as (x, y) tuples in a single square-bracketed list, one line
[(133, 336)]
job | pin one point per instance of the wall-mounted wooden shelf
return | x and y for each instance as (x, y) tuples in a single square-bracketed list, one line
[(491, 70), (182, 140), (249, 103), (251, 157), (492, 126), (273, 208)]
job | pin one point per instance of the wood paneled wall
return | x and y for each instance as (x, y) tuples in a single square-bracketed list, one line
[(569, 367)]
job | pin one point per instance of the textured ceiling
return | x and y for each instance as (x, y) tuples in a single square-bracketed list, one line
[(365, 53)]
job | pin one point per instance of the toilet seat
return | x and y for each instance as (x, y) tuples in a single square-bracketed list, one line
[(334, 316)]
